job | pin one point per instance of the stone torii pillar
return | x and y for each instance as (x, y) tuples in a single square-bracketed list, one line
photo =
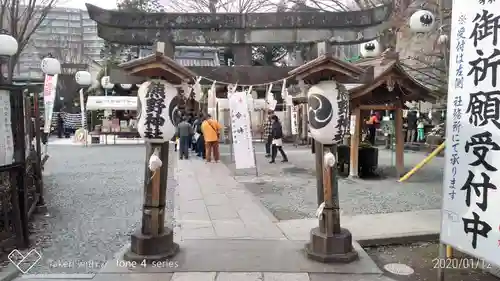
[(154, 241), (328, 102)]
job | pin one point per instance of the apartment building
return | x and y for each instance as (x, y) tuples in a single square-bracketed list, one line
[(68, 35)]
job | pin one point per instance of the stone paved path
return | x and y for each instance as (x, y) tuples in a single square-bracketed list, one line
[(214, 205)]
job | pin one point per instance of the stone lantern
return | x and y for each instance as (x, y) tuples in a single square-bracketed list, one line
[(328, 114)]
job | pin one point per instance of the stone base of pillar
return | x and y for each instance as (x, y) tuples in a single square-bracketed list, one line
[(151, 248), (336, 248)]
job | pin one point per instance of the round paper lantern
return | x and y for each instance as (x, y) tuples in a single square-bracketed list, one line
[(422, 21), (51, 66), (8, 45), (370, 49), (106, 83), (328, 113), (126, 86), (157, 111), (83, 78)]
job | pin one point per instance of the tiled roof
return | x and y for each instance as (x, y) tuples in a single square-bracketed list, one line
[(197, 62)]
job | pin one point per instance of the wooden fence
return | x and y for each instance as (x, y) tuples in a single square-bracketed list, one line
[(21, 185)]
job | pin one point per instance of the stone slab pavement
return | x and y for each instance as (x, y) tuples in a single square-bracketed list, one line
[(213, 205), (376, 229)]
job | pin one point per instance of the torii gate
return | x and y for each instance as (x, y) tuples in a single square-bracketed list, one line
[(241, 32)]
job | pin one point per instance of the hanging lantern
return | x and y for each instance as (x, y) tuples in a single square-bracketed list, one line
[(157, 111), (422, 21), (370, 49), (51, 66), (83, 78), (328, 111), (126, 86)]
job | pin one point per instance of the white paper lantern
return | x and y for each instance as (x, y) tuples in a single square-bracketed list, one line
[(106, 83), (157, 96), (370, 49), (83, 78), (126, 86), (51, 66), (8, 45), (328, 113), (422, 21)]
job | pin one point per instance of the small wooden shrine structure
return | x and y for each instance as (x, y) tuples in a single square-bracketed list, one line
[(391, 87)]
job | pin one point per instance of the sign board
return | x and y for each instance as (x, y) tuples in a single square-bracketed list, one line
[(6, 137), (352, 124), (111, 103), (294, 120), (470, 220), (244, 156)]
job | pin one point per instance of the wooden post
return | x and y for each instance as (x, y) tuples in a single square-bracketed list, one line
[(40, 206), (399, 141), (354, 154), (318, 153), (153, 241)]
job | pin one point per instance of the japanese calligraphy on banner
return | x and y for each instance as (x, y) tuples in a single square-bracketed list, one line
[(49, 96), (471, 221), (242, 136), (6, 137)]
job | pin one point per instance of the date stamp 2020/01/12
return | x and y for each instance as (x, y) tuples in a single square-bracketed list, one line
[(460, 263)]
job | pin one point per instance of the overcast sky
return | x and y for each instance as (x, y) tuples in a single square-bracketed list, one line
[(106, 4)]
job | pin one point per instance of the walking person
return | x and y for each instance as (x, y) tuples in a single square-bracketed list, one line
[(268, 138), (184, 131), (196, 130), (210, 129), (277, 140)]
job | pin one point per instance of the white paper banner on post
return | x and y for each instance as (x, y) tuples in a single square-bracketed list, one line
[(241, 131), (271, 101), (49, 97), (294, 119), (328, 112), (156, 116), (198, 92)]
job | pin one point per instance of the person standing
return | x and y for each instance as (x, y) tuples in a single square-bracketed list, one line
[(60, 125), (372, 128), (268, 138), (210, 129), (277, 140), (412, 126), (420, 130), (184, 131)]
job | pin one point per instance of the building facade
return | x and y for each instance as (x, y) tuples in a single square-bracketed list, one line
[(66, 34)]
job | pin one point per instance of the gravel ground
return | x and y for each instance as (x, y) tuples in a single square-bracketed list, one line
[(422, 258), (94, 197), (288, 190)]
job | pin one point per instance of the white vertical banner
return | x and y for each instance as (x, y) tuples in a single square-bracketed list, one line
[(212, 100), (49, 97), (294, 119), (470, 220), (244, 156), (6, 137), (82, 109)]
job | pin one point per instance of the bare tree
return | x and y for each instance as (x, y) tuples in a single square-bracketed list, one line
[(21, 18), (220, 6)]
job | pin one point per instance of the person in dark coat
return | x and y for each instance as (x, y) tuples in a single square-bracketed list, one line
[(60, 125), (277, 142)]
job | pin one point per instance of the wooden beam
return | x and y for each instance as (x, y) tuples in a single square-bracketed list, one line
[(377, 107), (354, 154), (400, 142)]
